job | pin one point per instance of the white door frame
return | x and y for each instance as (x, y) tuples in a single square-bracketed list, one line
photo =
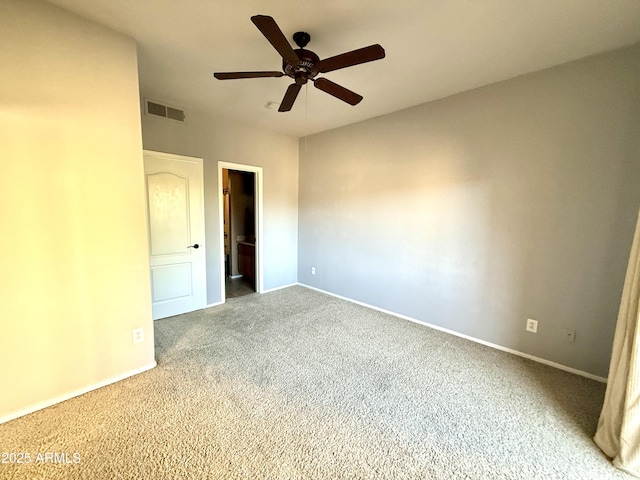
[(258, 208)]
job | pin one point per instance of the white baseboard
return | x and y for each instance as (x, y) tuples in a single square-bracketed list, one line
[(215, 304), (467, 337), (280, 288), (75, 393), (234, 277)]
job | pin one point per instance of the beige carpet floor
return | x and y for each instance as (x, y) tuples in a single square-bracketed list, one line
[(296, 384)]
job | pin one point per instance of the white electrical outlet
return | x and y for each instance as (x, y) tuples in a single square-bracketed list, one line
[(313, 270), (138, 335), (569, 335), (532, 325)]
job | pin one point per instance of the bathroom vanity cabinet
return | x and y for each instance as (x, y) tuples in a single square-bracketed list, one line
[(247, 260)]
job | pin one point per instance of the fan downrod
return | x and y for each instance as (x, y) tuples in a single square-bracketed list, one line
[(301, 39)]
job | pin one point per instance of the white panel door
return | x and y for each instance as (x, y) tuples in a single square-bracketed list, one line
[(176, 233)]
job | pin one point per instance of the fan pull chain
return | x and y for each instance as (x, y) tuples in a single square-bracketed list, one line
[(306, 115)]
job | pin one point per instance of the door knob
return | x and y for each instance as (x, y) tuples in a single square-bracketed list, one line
[(195, 245)]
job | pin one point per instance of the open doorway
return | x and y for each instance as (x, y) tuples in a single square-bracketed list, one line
[(239, 220), (241, 227)]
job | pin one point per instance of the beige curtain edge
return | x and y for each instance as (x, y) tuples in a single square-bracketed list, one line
[(618, 432), (618, 465)]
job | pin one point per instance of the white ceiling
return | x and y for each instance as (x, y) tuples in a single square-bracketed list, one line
[(434, 48)]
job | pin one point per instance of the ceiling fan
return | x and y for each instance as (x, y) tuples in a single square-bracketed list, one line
[(304, 65)]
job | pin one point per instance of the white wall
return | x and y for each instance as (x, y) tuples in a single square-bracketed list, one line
[(74, 264), (216, 139), (511, 201)]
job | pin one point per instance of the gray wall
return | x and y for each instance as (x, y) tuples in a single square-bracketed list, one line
[(215, 139), (479, 210)]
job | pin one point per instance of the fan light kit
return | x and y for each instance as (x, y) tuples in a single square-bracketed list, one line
[(304, 65)]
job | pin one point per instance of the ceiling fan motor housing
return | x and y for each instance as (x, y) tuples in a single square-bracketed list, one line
[(305, 69)]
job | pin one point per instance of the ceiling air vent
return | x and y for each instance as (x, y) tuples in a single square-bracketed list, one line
[(160, 110)]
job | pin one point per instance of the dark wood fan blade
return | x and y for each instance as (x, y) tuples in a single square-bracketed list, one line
[(236, 75), (337, 91), (290, 97), (269, 28), (354, 57)]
